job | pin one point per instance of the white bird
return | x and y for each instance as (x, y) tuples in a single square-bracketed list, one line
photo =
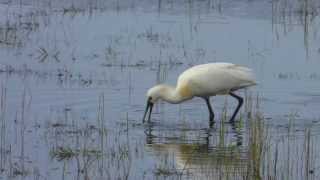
[(203, 81)]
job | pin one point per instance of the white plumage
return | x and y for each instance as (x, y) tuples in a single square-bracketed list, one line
[(216, 78), (204, 80)]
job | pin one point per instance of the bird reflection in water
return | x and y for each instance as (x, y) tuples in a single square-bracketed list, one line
[(218, 151)]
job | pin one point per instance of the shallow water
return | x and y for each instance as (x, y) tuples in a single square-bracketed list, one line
[(74, 78)]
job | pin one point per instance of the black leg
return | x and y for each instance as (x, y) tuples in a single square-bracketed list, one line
[(240, 100), (211, 117)]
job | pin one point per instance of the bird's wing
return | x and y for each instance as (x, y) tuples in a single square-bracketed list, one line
[(217, 78), (241, 73)]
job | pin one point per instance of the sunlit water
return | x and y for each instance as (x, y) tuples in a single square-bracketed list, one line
[(75, 79)]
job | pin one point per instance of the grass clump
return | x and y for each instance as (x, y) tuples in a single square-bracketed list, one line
[(63, 153), (67, 153)]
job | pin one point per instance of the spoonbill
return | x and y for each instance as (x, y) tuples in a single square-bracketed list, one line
[(203, 81)]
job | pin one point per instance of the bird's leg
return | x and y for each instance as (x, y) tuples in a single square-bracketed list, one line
[(240, 102), (211, 117), (149, 136)]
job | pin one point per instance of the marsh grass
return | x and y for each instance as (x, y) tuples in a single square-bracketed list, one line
[(66, 153), (287, 15), (62, 153), (15, 27), (256, 145), (274, 157), (43, 55), (3, 109), (268, 156)]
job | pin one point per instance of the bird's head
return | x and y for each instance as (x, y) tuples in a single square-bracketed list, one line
[(153, 95)]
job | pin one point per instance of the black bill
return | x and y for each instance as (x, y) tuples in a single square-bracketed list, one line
[(149, 107)]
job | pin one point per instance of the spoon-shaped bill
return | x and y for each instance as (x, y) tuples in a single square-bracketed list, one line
[(149, 107), (150, 111)]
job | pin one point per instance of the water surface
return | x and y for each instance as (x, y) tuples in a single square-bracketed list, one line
[(74, 78)]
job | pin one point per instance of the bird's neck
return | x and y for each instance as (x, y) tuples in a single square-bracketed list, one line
[(172, 95)]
